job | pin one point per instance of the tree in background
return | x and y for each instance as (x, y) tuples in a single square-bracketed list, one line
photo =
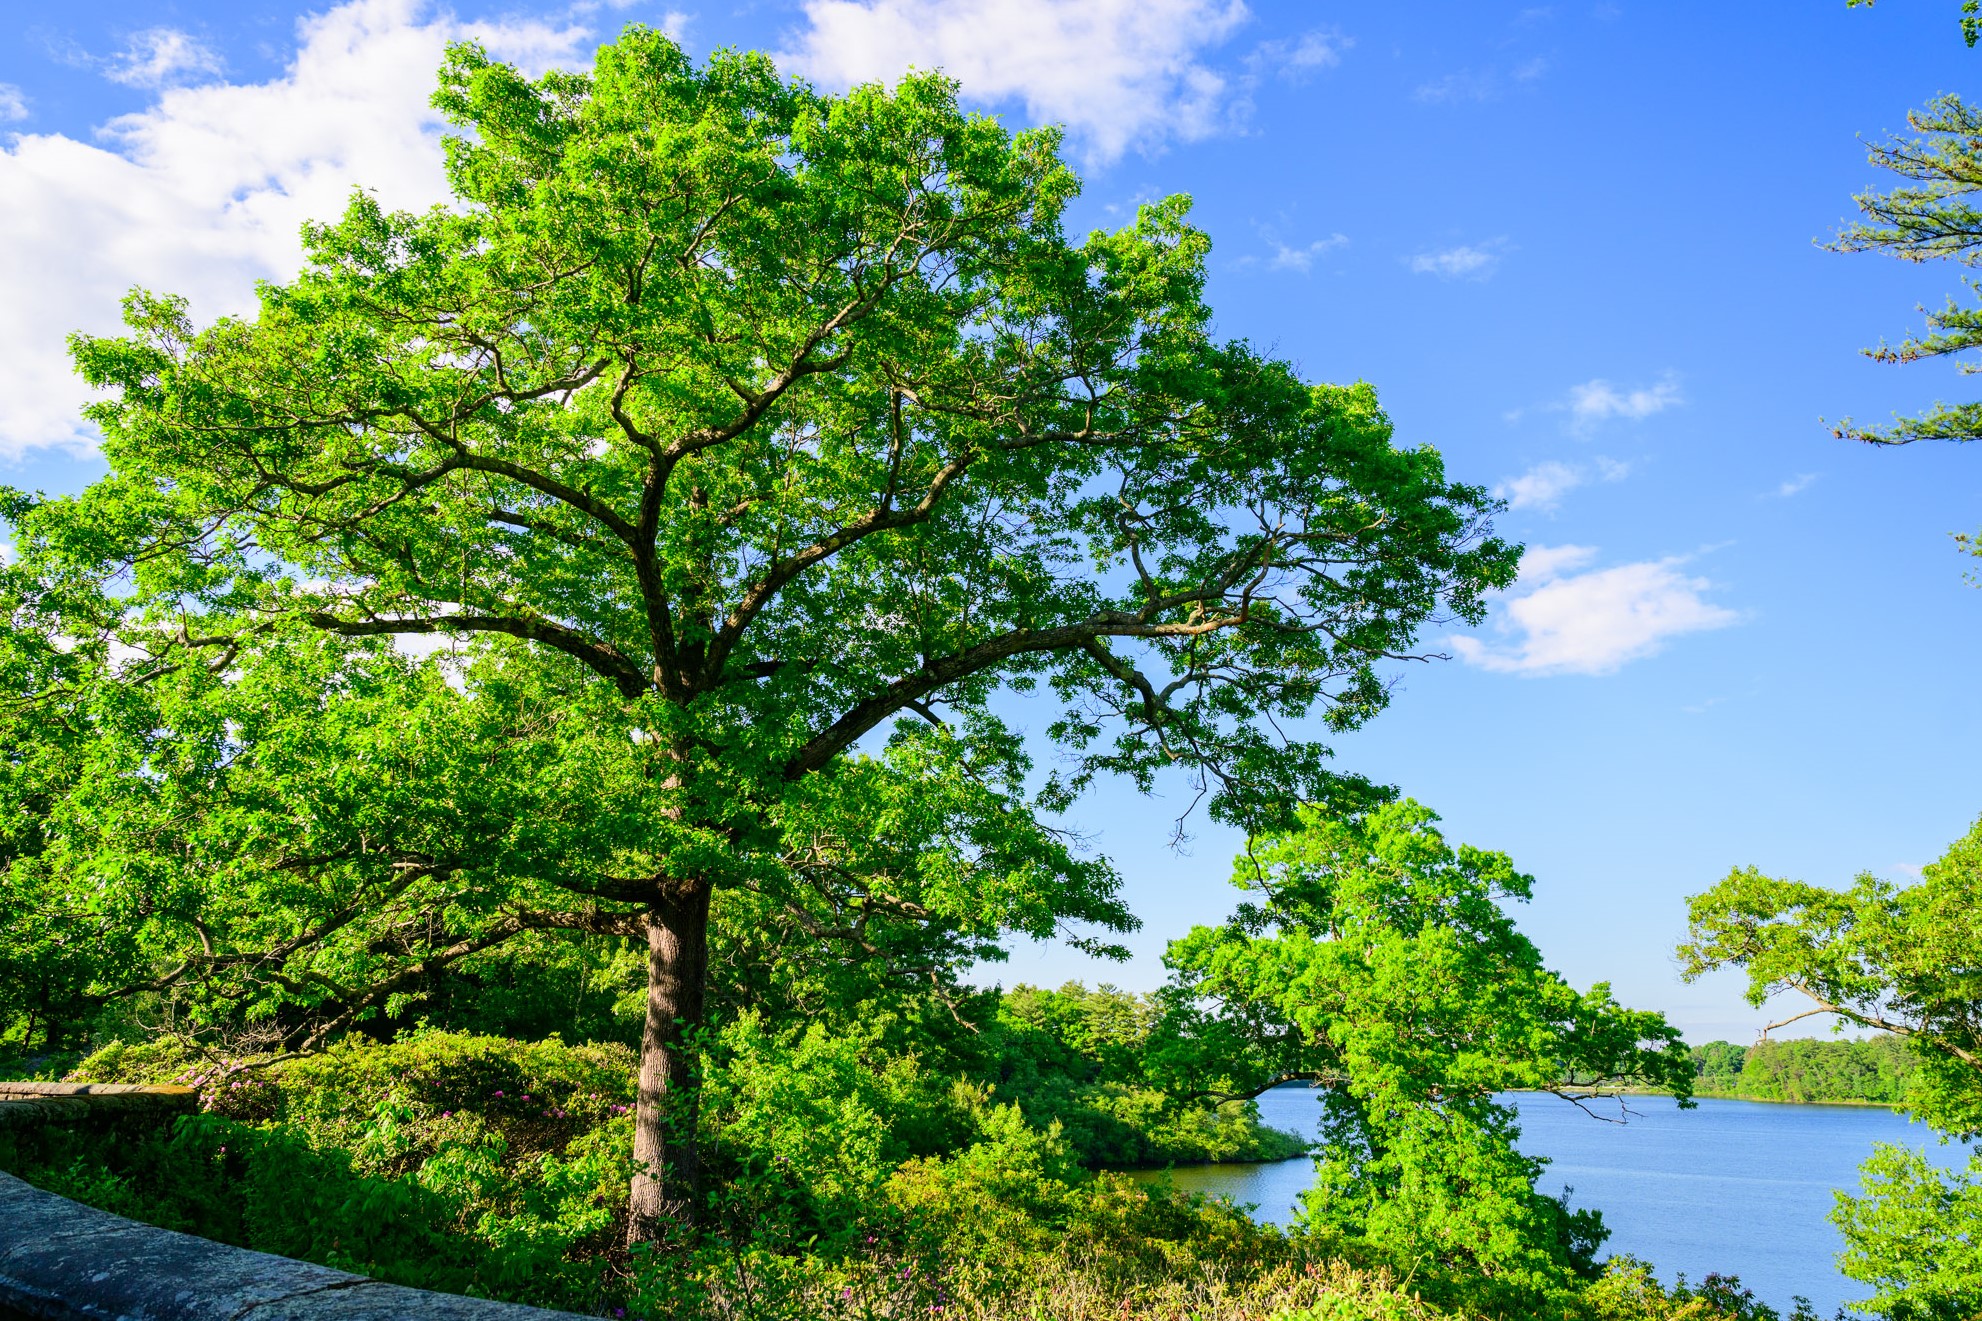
[(1905, 960), (1929, 218), (755, 439), (1383, 967), (1717, 1065)]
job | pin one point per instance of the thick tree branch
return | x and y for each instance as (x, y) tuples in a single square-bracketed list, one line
[(603, 660)]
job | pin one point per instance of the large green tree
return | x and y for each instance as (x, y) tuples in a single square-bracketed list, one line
[(738, 426), (1900, 959), (1382, 967)]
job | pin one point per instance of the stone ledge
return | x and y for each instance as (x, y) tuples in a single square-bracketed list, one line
[(63, 1261), (29, 1104), (8, 1089)]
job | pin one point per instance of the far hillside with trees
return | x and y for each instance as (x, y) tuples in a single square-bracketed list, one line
[(1877, 1070)]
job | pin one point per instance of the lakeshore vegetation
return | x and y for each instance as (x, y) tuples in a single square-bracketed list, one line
[(1876, 1070), (524, 727)]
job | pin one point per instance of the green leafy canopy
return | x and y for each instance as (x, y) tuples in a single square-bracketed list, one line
[(1384, 968), (718, 426)]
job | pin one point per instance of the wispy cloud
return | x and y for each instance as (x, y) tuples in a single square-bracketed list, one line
[(1468, 261), (1567, 618), (1297, 57), (13, 104), (1599, 401), (1474, 86), (1288, 258), (1543, 486), (163, 57), (1455, 88), (1120, 74), (1800, 482)]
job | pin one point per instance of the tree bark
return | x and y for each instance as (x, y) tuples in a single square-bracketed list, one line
[(667, 1178)]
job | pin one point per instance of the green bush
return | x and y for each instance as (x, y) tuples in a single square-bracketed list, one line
[(463, 1222), (856, 1182)]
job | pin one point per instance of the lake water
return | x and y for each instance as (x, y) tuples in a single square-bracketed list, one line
[(1739, 1187)]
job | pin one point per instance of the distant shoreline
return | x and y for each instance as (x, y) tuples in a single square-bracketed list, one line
[(1758, 1100)]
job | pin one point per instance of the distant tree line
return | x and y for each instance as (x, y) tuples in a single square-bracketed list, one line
[(1878, 1069)]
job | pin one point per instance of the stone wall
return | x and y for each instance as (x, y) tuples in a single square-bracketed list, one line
[(27, 1104)]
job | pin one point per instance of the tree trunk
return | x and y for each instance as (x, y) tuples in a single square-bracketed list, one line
[(666, 1183)]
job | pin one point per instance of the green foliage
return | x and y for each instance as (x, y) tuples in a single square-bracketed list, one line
[(1082, 1060), (1971, 18), (1878, 1069), (1905, 960), (718, 425), (855, 1185), (1900, 959), (1913, 1237), (1929, 217), (1717, 1065), (1383, 966), (462, 1222)]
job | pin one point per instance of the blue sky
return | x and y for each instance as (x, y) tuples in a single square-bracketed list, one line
[(1572, 245)]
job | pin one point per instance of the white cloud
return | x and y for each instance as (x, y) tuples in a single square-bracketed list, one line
[(1541, 487), (1287, 258), (13, 103), (204, 192), (1599, 400), (1544, 485), (1796, 484), (1560, 621), (1539, 564), (163, 57), (1530, 70), (1465, 262), (1119, 73)]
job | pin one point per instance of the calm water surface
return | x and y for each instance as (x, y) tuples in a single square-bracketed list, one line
[(1740, 1187)]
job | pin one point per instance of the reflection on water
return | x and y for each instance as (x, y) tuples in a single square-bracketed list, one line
[(1740, 1187)]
